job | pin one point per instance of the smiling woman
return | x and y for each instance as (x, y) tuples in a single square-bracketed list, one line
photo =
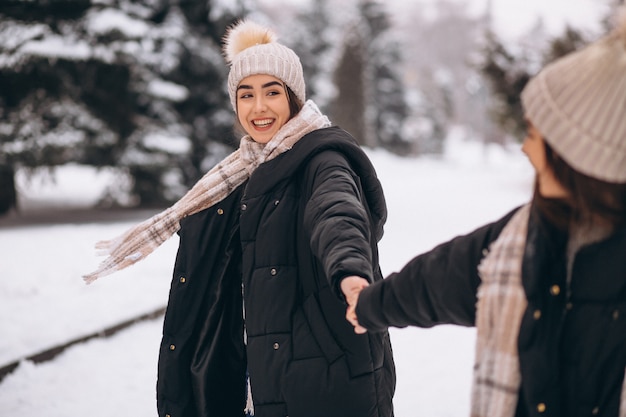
[(287, 217)]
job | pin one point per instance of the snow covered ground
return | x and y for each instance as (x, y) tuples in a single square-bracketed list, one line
[(44, 302)]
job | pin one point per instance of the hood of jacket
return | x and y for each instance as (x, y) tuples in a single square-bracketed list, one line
[(334, 138)]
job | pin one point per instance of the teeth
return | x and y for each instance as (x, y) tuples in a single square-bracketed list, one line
[(262, 123)]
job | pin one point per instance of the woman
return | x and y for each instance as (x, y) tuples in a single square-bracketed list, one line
[(545, 285), (255, 311)]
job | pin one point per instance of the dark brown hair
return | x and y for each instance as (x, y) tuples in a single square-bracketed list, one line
[(589, 197), (295, 105)]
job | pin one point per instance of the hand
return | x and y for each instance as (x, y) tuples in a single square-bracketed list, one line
[(351, 287)]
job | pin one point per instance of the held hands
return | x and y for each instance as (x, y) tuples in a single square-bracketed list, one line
[(351, 287)]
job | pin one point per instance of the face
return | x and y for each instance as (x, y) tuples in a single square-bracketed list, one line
[(534, 148), (262, 106)]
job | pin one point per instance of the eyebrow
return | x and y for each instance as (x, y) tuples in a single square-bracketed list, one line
[(269, 84)]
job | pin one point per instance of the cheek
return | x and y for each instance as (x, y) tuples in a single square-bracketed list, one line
[(241, 115), (539, 160), (243, 124), (284, 110), (535, 153)]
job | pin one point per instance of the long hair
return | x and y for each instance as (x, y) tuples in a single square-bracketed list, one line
[(588, 198)]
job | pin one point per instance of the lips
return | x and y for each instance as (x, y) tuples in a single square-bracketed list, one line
[(263, 123)]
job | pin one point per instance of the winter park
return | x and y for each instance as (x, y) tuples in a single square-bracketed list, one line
[(105, 112)]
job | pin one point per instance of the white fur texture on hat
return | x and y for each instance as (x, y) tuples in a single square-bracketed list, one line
[(578, 103), (252, 49)]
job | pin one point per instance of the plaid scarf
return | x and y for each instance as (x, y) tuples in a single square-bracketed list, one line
[(141, 240), (501, 305)]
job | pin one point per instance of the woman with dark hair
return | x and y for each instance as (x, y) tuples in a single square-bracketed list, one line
[(255, 318), (545, 285)]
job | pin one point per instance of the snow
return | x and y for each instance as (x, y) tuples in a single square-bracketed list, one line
[(109, 20), (44, 301), (57, 47), (177, 145), (70, 186), (168, 90), (12, 36)]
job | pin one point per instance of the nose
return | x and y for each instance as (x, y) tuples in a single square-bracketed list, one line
[(259, 103)]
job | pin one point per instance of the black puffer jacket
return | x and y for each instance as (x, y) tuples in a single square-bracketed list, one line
[(572, 338), (303, 221)]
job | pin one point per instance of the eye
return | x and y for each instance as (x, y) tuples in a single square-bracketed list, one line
[(245, 95)]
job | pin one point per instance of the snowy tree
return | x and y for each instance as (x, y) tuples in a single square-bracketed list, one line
[(507, 76), (371, 100), (349, 107), (439, 44), (508, 68), (311, 37), (139, 85), (508, 73), (386, 103)]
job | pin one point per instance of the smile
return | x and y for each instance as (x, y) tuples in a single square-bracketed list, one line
[(262, 122)]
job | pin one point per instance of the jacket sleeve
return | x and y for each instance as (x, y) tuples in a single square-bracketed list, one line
[(437, 287), (336, 219)]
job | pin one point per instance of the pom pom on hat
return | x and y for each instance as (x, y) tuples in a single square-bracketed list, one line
[(243, 36), (578, 103), (252, 49)]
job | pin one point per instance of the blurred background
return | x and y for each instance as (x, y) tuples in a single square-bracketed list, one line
[(135, 90)]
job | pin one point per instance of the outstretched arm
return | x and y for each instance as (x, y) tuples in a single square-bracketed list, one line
[(437, 287), (337, 220)]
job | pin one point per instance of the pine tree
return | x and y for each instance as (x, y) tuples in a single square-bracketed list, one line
[(139, 85), (370, 101), (508, 74), (445, 91), (310, 36), (387, 104), (349, 106)]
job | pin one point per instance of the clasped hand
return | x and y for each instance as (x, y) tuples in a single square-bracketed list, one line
[(351, 287)]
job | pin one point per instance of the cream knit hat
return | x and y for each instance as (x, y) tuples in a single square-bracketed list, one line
[(252, 49), (578, 103)]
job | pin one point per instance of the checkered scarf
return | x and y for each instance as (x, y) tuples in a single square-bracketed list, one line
[(501, 305), (142, 239)]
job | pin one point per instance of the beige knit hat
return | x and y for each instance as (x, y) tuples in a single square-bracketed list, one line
[(578, 103), (252, 49)]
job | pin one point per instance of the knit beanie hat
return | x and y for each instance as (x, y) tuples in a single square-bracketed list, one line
[(252, 49), (578, 103)]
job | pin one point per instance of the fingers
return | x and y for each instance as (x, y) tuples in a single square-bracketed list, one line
[(351, 287), (352, 319)]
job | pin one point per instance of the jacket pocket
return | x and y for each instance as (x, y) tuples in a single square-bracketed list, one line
[(304, 344), (312, 336)]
